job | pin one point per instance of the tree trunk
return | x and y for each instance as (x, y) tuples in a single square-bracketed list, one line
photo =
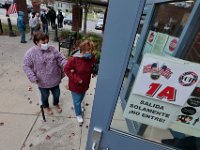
[(76, 17), (86, 6), (36, 5), (21, 6)]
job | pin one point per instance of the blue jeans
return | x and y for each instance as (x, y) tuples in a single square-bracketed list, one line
[(45, 28), (77, 99), (45, 95), (22, 33)]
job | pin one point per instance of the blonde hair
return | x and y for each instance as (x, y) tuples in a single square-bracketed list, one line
[(90, 43)]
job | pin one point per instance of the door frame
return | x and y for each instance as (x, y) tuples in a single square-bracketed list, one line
[(185, 41), (114, 60)]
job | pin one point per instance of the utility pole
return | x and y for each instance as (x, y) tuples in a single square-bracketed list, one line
[(36, 5)]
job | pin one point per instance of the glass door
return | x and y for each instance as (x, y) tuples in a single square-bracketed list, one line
[(163, 29)]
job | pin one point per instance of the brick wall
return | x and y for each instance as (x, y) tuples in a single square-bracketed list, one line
[(194, 52)]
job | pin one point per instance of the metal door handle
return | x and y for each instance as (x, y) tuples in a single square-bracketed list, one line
[(94, 146)]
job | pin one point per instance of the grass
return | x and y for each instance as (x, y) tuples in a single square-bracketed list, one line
[(14, 28)]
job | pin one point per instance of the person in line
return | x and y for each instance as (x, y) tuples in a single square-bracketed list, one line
[(44, 22), (31, 24), (43, 65), (79, 69), (60, 18), (36, 22), (52, 16), (21, 26)]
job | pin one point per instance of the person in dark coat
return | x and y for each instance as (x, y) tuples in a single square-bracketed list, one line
[(52, 16), (44, 22), (60, 18)]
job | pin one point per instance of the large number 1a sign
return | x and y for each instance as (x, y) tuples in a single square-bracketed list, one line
[(166, 79)]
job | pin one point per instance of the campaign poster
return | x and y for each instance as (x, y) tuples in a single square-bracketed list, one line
[(169, 80), (151, 112), (159, 43), (151, 37), (170, 46), (187, 119), (149, 42)]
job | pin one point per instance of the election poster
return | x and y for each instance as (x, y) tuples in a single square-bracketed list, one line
[(159, 44), (149, 42), (166, 94), (187, 119), (166, 79), (148, 111), (170, 46), (151, 37)]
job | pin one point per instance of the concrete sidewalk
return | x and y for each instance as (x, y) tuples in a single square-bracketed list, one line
[(21, 124)]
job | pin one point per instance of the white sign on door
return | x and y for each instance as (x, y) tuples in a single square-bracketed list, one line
[(166, 79)]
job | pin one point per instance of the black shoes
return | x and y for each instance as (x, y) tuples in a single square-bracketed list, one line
[(23, 41)]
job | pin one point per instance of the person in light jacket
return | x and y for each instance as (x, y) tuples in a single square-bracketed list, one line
[(43, 65)]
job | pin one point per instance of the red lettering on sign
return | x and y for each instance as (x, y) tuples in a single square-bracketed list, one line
[(154, 87), (169, 93)]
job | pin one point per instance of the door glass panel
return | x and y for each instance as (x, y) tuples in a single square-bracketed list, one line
[(166, 26), (130, 63)]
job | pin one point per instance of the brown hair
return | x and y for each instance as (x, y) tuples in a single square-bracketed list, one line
[(40, 36), (90, 43)]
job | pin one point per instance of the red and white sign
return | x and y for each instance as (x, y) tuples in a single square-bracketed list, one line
[(166, 79), (170, 46), (151, 37)]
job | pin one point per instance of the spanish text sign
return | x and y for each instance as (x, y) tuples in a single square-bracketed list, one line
[(166, 79), (148, 111)]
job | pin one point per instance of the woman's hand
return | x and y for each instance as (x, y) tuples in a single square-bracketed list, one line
[(72, 70), (80, 82)]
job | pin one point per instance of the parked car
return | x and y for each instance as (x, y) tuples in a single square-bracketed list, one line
[(5, 3), (99, 24), (68, 20)]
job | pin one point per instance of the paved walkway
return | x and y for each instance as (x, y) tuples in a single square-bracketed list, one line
[(21, 124)]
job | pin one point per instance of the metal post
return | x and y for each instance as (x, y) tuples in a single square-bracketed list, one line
[(11, 33), (42, 110), (1, 29), (56, 33)]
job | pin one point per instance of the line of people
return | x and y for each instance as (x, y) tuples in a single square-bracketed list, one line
[(45, 66), (39, 22)]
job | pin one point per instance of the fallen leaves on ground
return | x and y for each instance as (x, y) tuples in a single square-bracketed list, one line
[(30, 88), (31, 145), (48, 137), (42, 129), (73, 134), (86, 104)]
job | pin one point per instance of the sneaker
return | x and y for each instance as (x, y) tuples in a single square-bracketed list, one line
[(79, 119), (48, 111), (58, 109)]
